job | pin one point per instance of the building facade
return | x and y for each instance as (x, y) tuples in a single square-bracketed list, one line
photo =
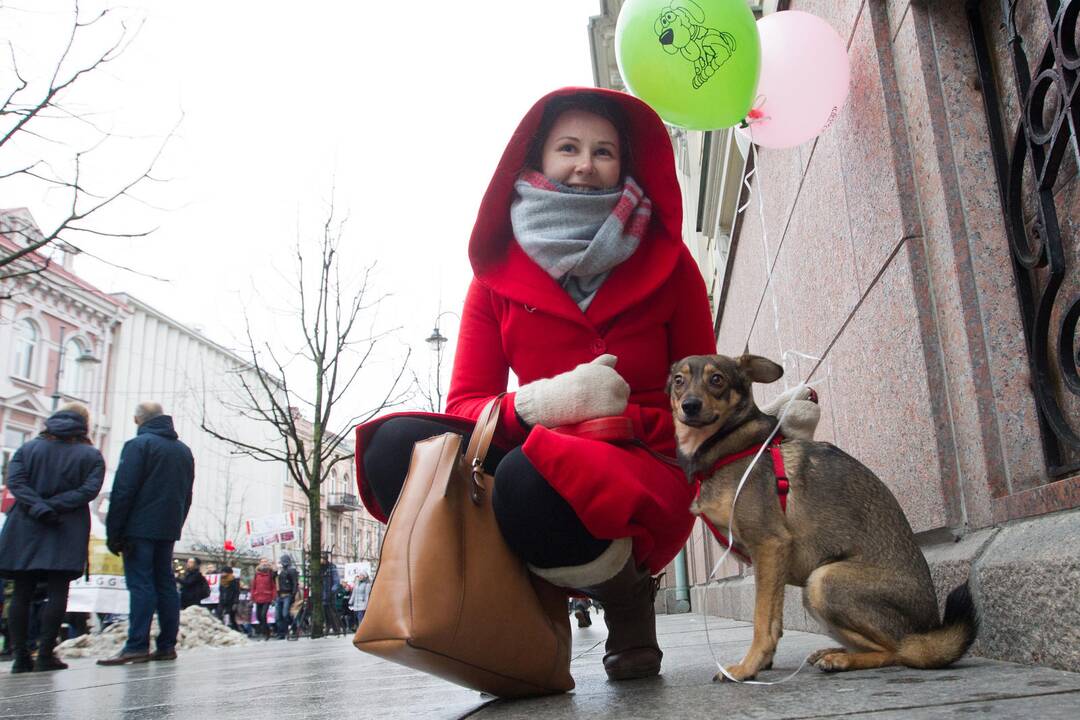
[(195, 380), (57, 340), (916, 263)]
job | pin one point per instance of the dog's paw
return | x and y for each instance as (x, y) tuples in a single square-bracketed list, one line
[(739, 672), (834, 661), (818, 654)]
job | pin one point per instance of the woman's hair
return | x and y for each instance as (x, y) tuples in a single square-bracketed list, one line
[(595, 104), (79, 409)]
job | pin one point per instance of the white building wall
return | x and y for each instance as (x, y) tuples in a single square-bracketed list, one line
[(159, 359)]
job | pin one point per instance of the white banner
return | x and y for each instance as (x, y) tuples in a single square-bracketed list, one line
[(286, 535), (269, 524), (349, 571), (105, 591), (101, 593)]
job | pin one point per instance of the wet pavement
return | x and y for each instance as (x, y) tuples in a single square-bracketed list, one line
[(328, 678)]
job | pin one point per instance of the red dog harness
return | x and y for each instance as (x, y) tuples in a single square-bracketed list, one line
[(782, 484)]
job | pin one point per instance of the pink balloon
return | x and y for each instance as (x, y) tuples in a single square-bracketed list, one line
[(804, 79)]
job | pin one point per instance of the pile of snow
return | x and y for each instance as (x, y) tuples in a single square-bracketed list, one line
[(198, 628)]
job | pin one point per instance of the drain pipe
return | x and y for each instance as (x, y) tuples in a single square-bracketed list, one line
[(682, 583)]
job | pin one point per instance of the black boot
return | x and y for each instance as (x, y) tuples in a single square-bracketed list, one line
[(22, 661), (632, 651), (46, 660)]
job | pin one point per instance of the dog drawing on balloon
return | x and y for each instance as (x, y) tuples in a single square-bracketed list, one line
[(680, 29)]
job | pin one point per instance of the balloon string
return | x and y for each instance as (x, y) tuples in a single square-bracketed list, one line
[(760, 195)]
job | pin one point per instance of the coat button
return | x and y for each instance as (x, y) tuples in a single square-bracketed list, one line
[(599, 346)]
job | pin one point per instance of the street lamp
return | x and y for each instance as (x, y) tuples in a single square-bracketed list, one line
[(59, 369), (437, 340)]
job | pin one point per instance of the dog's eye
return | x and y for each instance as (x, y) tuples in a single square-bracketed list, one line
[(677, 381), (716, 379)]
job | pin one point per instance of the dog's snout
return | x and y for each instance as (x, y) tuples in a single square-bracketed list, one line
[(668, 37), (691, 406)]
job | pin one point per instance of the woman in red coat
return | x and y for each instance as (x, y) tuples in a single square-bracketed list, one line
[(263, 593), (585, 290)]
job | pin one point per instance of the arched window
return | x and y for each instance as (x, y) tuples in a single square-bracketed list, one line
[(26, 339), (74, 378)]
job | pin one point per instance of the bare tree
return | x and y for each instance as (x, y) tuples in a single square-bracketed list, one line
[(47, 143), (332, 356), (226, 524)]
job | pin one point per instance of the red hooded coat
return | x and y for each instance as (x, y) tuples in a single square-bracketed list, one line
[(651, 311)]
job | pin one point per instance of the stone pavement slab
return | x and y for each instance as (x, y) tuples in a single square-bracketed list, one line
[(328, 678)]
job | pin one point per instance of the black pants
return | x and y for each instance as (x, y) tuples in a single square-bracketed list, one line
[(52, 613), (260, 615), (227, 616), (537, 523)]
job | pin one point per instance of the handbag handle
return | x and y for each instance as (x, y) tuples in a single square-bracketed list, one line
[(479, 444)]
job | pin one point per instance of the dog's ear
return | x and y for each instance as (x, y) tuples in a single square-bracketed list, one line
[(671, 375), (689, 9), (759, 369)]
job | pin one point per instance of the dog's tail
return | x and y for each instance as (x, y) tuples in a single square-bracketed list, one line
[(948, 643)]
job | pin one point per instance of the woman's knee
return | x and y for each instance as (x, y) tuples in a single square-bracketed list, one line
[(520, 489), (388, 453), (537, 523)]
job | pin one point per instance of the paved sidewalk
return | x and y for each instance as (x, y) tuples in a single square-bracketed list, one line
[(328, 678)]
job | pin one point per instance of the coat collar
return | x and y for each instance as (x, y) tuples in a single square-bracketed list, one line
[(500, 264)]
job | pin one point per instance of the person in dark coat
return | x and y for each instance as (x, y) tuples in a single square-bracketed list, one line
[(228, 595), (150, 499), (54, 477), (288, 583), (193, 584)]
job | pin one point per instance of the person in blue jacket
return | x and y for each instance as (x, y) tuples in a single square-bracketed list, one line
[(149, 502), (54, 477)]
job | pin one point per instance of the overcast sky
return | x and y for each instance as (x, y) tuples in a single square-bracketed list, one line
[(397, 110)]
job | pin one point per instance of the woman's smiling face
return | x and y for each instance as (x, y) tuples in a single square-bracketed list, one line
[(582, 151)]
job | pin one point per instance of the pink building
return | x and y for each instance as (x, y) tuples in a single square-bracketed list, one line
[(56, 338)]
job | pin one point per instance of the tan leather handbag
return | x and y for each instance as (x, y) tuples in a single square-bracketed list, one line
[(450, 598)]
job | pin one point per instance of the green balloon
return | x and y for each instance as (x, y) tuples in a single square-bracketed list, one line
[(696, 62)]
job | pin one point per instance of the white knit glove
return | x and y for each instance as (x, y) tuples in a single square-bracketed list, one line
[(590, 390), (802, 416)]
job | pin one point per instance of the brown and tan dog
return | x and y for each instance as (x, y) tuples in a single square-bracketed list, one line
[(843, 538)]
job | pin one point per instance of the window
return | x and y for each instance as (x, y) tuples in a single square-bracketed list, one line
[(74, 378), (14, 438), (26, 339)]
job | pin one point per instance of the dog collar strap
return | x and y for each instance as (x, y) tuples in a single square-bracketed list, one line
[(782, 484), (722, 539)]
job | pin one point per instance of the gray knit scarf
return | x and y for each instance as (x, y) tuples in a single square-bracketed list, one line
[(578, 236)]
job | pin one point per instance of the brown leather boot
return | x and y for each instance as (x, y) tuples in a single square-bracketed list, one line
[(631, 646)]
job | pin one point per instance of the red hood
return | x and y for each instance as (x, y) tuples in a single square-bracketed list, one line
[(501, 265)]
